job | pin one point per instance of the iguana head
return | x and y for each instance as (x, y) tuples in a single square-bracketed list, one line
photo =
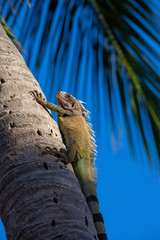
[(69, 103)]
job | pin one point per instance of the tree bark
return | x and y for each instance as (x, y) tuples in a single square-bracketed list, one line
[(40, 197)]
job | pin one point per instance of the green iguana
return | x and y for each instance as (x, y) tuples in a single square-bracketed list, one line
[(79, 141)]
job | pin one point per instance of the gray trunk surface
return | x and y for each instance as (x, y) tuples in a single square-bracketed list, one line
[(40, 197)]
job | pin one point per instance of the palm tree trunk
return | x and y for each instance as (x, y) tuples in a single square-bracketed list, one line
[(40, 198)]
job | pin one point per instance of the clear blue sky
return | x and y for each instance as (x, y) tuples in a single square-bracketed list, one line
[(128, 189)]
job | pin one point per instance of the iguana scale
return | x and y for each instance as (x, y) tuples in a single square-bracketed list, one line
[(77, 134)]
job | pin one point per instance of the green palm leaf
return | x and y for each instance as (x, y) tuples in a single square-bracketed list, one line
[(130, 25), (129, 56)]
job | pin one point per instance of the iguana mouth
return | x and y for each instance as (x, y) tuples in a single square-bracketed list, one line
[(62, 101)]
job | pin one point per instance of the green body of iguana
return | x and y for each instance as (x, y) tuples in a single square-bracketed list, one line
[(77, 136)]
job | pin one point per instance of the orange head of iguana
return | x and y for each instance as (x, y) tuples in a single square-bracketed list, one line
[(69, 103)]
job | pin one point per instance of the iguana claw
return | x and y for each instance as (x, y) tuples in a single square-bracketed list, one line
[(55, 152), (37, 95)]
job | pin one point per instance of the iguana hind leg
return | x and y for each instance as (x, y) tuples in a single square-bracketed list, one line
[(71, 151), (67, 157)]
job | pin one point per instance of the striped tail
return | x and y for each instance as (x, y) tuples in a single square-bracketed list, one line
[(97, 216), (84, 174)]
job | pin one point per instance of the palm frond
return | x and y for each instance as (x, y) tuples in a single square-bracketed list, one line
[(108, 50), (130, 26)]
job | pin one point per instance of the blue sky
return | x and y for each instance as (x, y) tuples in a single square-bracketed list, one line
[(128, 188)]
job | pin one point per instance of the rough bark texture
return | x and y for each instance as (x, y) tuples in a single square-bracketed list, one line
[(40, 198)]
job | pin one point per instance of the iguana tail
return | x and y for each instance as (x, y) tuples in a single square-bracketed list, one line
[(84, 174)]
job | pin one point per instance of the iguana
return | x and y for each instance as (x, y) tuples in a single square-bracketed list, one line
[(78, 138)]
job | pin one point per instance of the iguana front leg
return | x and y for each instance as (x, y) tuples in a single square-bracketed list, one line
[(67, 157), (51, 106), (71, 149)]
